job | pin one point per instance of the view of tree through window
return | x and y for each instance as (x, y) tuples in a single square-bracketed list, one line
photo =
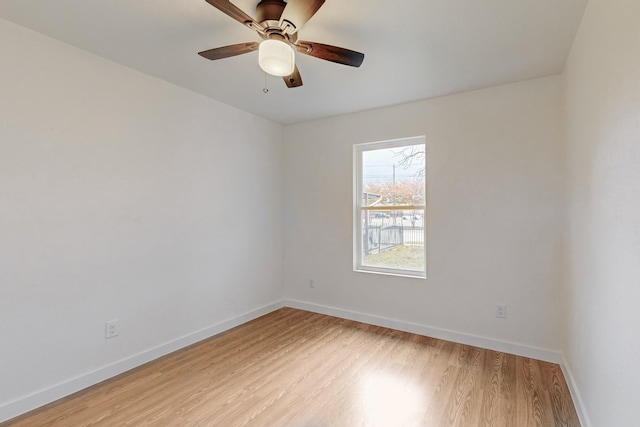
[(390, 186)]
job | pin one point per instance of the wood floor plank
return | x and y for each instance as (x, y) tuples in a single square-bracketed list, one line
[(463, 408), (533, 401), (498, 409), (296, 368), (564, 412)]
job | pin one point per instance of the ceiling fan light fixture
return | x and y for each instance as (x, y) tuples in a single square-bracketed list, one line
[(276, 57)]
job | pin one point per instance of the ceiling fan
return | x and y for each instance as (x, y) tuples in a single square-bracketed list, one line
[(277, 23)]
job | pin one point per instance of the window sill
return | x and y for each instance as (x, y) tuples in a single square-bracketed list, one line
[(417, 275)]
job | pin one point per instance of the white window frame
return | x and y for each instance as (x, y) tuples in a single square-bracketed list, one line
[(358, 208)]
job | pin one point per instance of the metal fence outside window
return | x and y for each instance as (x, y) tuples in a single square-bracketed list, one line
[(385, 237)]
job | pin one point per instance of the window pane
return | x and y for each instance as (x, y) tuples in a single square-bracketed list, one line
[(393, 239), (394, 176)]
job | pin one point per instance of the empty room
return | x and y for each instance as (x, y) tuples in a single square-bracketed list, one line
[(320, 213)]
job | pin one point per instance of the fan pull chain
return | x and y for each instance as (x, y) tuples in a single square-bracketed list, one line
[(266, 89)]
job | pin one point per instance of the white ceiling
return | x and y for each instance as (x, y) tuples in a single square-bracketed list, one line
[(415, 49)]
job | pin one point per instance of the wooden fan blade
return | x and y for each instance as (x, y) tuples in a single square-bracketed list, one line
[(297, 13), (294, 80), (228, 51), (233, 11), (327, 52)]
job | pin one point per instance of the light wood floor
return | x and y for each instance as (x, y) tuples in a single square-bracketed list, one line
[(295, 368)]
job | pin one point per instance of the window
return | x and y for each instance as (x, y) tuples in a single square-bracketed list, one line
[(389, 207)]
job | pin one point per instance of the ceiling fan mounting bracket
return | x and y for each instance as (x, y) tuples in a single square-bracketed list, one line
[(288, 27), (304, 48), (255, 27)]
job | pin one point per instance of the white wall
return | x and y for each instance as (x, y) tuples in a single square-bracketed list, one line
[(122, 196), (495, 199), (602, 109)]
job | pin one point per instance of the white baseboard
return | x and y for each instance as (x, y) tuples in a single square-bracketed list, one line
[(27, 403), (430, 331), (575, 394)]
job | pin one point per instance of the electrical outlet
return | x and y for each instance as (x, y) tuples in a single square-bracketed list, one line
[(312, 283), (501, 311), (112, 329)]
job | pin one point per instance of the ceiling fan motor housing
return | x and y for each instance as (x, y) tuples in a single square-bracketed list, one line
[(268, 13)]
